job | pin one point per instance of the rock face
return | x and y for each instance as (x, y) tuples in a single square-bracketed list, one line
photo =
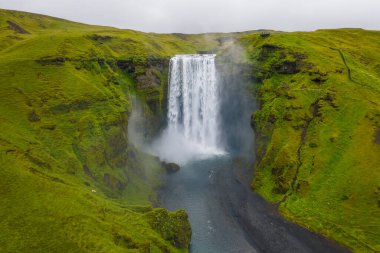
[(170, 167), (150, 77)]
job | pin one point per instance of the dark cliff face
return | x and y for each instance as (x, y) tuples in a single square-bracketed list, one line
[(237, 105), (237, 98), (151, 81)]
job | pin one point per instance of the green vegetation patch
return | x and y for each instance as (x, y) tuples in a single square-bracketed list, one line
[(70, 179), (317, 126)]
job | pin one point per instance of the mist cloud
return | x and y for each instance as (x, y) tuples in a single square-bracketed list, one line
[(196, 16)]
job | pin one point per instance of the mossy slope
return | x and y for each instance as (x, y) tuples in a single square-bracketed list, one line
[(70, 180), (318, 127)]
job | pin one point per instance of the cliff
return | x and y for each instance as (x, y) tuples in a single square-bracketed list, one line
[(317, 130)]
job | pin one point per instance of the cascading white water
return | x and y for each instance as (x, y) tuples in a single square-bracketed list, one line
[(193, 109)]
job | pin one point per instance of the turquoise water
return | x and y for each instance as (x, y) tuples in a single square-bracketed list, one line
[(194, 189), (228, 217)]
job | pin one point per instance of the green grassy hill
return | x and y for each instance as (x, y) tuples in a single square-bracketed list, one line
[(71, 181), (318, 130)]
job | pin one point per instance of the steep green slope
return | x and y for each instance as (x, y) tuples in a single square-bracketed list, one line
[(70, 180), (318, 130)]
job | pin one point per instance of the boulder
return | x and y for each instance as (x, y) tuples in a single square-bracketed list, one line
[(170, 167)]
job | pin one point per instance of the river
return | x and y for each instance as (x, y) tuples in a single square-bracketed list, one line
[(227, 217)]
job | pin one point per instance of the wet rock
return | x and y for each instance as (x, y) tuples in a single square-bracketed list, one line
[(159, 63), (253, 122), (153, 105), (131, 154), (170, 167), (148, 79)]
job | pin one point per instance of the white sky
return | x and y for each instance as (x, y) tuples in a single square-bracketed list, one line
[(196, 16)]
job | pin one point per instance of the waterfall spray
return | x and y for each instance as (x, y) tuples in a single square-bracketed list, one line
[(193, 110)]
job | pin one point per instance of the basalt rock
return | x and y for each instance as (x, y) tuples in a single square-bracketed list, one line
[(170, 167), (126, 65)]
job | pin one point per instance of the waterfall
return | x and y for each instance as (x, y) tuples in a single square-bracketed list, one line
[(193, 109)]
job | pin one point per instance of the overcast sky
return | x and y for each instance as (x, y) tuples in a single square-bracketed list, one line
[(196, 16)]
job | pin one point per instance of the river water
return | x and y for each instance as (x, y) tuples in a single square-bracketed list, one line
[(227, 217), (194, 188)]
